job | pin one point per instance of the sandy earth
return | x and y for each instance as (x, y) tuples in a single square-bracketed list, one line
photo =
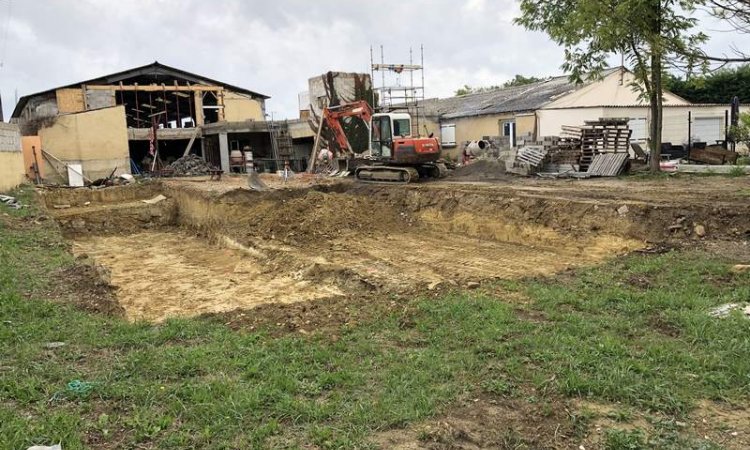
[(166, 274), (161, 274)]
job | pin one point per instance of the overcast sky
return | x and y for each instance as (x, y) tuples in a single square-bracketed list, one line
[(274, 47)]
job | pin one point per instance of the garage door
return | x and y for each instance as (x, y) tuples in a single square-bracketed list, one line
[(707, 129)]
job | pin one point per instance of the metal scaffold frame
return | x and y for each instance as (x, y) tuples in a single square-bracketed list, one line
[(396, 97)]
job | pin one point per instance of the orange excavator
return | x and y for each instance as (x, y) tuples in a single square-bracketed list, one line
[(393, 154)]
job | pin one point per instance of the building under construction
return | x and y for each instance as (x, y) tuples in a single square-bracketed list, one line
[(143, 118)]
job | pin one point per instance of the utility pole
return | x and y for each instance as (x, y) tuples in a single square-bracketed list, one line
[(2, 119)]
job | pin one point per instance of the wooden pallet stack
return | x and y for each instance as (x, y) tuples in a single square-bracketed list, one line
[(603, 136), (565, 151)]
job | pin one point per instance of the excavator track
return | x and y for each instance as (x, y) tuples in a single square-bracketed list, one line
[(386, 174)]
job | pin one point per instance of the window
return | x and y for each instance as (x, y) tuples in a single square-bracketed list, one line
[(448, 135), (381, 135), (640, 131), (401, 127)]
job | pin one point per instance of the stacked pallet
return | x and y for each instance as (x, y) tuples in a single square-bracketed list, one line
[(533, 155), (565, 151), (603, 136)]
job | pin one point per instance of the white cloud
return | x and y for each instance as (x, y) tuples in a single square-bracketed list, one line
[(274, 47)]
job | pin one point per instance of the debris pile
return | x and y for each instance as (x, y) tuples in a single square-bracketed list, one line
[(481, 170), (190, 165), (10, 201)]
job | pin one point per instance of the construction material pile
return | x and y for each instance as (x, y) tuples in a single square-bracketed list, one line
[(598, 148), (481, 170), (190, 165)]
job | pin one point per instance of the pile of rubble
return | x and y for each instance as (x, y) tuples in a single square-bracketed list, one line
[(190, 165)]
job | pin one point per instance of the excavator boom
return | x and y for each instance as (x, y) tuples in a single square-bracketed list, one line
[(332, 118)]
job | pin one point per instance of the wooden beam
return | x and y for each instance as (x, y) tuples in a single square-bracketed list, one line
[(153, 88), (220, 97), (192, 139), (199, 117)]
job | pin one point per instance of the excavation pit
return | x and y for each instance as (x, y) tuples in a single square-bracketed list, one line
[(201, 252)]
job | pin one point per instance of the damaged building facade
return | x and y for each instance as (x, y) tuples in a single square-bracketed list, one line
[(115, 123)]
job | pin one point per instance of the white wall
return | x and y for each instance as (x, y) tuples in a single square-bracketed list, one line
[(614, 90), (552, 120), (675, 122)]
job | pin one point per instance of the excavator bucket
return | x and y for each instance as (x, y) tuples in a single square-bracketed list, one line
[(254, 182)]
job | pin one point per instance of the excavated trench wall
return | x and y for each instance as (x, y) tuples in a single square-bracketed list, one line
[(467, 211)]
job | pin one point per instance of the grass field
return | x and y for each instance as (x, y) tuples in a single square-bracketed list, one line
[(633, 334)]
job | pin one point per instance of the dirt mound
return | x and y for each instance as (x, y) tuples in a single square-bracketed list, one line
[(191, 165), (481, 170), (319, 215), (86, 284)]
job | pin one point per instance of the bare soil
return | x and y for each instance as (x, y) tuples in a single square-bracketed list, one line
[(489, 423), (216, 247), (481, 170), (190, 276), (166, 274)]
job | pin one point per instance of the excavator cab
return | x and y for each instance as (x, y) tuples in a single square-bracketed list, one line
[(385, 128)]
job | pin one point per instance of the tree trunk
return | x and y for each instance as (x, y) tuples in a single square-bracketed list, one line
[(655, 96), (655, 99)]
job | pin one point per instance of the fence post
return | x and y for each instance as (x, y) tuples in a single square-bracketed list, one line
[(690, 132)]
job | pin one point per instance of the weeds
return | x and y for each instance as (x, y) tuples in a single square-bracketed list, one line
[(737, 171)]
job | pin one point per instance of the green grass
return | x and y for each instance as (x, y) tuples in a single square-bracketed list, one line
[(737, 171), (193, 383)]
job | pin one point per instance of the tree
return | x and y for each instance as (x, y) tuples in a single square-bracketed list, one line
[(466, 90), (652, 35), (520, 80), (740, 133), (716, 87), (736, 12)]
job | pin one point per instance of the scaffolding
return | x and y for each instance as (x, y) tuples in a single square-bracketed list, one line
[(393, 95)]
